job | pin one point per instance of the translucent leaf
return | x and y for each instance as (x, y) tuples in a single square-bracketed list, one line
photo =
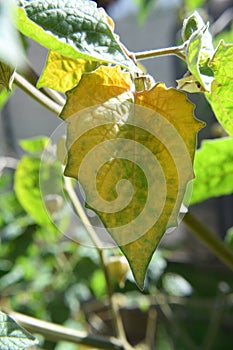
[(199, 50), (6, 77), (75, 29), (13, 336), (132, 154), (220, 98), (63, 73), (213, 167)]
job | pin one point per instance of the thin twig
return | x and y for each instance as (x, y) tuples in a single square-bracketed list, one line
[(221, 250), (32, 91), (56, 333), (175, 50)]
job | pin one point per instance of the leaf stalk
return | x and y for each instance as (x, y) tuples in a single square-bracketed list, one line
[(221, 250), (174, 50)]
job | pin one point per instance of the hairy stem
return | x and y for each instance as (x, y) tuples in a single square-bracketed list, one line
[(175, 50), (223, 252), (56, 333), (37, 95)]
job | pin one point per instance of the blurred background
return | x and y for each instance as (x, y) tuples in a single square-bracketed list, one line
[(189, 293)]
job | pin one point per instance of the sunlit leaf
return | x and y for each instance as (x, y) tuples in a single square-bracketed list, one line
[(220, 98), (63, 73), (213, 167), (133, 157), (13, 336), (75, 29), (199, 50)]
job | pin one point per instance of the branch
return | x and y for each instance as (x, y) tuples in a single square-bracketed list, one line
[(221, 250), (56, 333), (32, 91), (175, 50)]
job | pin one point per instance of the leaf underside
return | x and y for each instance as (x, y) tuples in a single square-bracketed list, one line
[(126, 152)]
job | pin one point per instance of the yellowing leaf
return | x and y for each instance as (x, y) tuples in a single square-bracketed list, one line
[(6, 77), (63, 73), (96, 88), (132, 154), (220, 98)]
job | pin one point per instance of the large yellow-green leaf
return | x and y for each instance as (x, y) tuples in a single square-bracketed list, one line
[(213, 167), (63, 73), (76, 29), (132, 154), (221, 98)]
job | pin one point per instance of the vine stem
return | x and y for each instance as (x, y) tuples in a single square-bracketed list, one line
[(174, 50), (57, 332), (223, 252), (37, 95), (117, 323)]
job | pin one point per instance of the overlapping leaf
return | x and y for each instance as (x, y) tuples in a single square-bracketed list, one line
[(199, 50), (126, 151), (75, 29), (213, 167), (13, 336), (221, 98), (63, 73)]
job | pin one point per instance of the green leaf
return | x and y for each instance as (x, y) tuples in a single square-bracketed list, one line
[(34, 145), (63, 73), (28, 190), (4, 96), (220, 98), (213, 167), (75, 29), (193, 4), (199, 50), (13, 336), (126, 151)]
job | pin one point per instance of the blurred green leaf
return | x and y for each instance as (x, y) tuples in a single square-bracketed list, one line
[(13, 336), (97, 284), (229, 237), (213, 167), (193, 4), (28, 190), (35, 144), (175, 284)]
